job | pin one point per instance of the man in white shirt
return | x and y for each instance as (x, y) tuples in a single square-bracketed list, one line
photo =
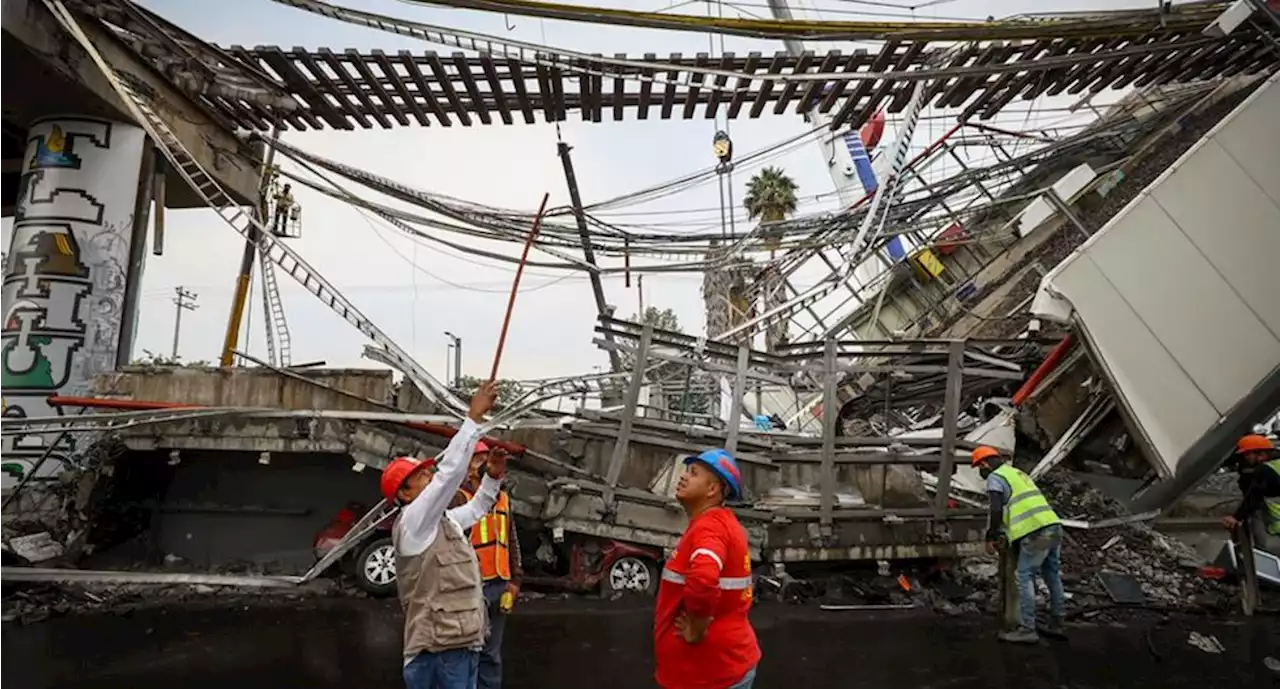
[(437, 574)]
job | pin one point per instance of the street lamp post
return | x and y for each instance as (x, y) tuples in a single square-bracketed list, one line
[(457, 357), (448, 359)]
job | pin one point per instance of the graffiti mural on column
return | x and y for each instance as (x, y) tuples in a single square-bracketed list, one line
[(64, 276)]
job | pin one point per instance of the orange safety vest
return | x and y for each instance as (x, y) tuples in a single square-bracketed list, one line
[(491, 539)]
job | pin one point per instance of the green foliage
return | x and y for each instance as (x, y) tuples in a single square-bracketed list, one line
[(465, 387), (152, 359), (670, 372), (771, 196)]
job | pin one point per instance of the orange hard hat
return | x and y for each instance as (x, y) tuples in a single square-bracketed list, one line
[(481, 446), (397, 471), (982, 453), (1254, 443)]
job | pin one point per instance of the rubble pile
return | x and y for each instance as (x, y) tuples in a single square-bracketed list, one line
[(1166, 569)]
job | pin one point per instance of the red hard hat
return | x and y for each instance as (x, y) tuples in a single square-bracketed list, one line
[(481, 446), (1254, 443), (981, 454), (397, 471)]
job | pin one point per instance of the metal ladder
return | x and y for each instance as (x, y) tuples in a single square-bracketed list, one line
[(279, 350), (247, 226)]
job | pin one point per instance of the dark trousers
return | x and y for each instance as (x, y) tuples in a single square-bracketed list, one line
[(490, 671)]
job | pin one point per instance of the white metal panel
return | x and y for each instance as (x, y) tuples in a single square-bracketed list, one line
[(1165, 401), (1186, 303), (1245, 253), (1253, 139), (1178, 292)]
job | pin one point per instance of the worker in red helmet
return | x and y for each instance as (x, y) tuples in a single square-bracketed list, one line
[(1021, 516), (437, 576), (701, 635), (498, 550), (1259, 481)]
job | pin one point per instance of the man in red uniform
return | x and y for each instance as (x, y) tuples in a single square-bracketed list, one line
[(701, 635)]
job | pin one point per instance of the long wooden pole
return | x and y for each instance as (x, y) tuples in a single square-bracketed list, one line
[(515, 285)]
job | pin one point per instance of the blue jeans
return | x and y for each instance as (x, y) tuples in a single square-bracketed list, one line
[(746, 681), (1040, 552), (454, 669), (490, 674)]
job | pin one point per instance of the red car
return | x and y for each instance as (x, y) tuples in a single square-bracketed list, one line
[(575, 563)]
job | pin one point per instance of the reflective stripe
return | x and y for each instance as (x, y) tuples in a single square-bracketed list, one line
[(725, 583), (708, 553), (490, 539)]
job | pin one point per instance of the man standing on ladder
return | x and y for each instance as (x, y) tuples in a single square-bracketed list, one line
[(498, 550), (437, 575)]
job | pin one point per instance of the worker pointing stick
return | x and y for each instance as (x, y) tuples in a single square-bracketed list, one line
[(437, 576)]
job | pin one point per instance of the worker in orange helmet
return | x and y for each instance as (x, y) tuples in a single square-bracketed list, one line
[(701, 635), (1260, 483), (498, 550), (437, 575), (1022, 516)]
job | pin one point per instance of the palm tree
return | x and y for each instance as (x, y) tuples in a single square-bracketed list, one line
[(771, 196)]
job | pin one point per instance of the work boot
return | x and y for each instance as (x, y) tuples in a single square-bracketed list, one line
[(1021, 635), (1054, 629)]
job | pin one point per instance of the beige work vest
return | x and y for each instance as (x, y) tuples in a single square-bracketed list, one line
[(440, 593)]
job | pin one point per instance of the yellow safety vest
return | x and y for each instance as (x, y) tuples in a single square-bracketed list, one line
[(1027, 510), (1273, 503)]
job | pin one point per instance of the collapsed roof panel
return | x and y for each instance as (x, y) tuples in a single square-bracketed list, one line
[(1176, 296)]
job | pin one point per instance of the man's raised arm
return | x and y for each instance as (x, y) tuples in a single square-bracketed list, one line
[(421, 517)]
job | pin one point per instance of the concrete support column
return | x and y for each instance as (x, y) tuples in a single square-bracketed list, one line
[(66, 274)]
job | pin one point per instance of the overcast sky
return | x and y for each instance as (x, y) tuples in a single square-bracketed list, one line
[(416, 291)]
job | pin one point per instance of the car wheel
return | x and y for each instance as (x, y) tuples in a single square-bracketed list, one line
[(376, 567), (631, 575)]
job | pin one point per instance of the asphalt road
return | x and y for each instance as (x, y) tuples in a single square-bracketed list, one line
[(348, 644)]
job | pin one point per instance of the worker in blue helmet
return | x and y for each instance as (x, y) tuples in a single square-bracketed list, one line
[(702, 637)]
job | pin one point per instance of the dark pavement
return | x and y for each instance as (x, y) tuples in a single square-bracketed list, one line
[(347, 644)]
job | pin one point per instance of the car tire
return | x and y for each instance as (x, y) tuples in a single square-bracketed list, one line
[(375, 568), (630, 575)]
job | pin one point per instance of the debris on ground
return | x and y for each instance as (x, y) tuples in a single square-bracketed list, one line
[(1208, 644), (1131, 564), (1167, 569)]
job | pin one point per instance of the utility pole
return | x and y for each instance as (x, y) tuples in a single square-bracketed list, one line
[(597, 289), (245, 275), (185, 301)]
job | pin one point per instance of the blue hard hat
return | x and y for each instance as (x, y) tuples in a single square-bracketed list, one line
[(725, 467)]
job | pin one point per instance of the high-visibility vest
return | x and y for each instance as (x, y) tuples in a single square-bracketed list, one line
[(491, 539), (1273, 503), (1027, 510)]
